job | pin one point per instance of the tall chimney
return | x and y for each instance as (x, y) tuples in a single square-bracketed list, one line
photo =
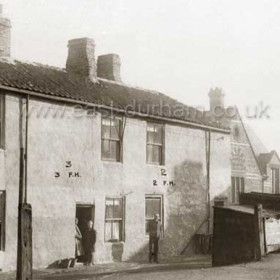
[(81, 58), (216, 99), (108, 67), (5, 35)]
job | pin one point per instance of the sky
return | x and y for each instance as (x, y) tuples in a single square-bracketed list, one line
[(179, 47)]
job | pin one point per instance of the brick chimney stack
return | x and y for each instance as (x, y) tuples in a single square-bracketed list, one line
[(108, 67), (81, 58), (216, 96), (5, 35)]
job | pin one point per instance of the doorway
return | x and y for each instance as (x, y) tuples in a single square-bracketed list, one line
[(84, 213)]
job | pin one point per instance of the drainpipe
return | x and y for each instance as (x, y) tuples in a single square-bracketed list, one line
[(21, 193), (24, 243), (21, 156), (23, 153), (26, 147), (208, 153)]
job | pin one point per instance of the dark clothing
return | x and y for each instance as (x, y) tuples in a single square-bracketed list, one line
[(153, 249), (155, 233), (89, 244), (155, 229), (89, 257)]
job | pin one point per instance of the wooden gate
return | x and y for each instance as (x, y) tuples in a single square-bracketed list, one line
[(272, 234)]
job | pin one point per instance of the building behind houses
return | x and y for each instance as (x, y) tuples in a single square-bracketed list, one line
[(102, 150), (253, 168), (270, 165)]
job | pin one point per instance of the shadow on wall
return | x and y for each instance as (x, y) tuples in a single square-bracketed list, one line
[(185, 210)]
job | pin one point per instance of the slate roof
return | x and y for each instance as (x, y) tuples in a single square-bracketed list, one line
[(257, 144), (264, 159), (52, 81)]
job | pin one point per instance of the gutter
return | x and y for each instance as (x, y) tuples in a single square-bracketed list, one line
[(73, 101)]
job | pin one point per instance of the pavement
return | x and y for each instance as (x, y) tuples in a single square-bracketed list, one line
[(109, 269), (266, 269), (197, 267)]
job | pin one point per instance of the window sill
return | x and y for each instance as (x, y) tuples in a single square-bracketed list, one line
[(111, 161), (155, 164)]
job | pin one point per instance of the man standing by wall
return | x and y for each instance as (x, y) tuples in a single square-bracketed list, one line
[(155, 233), (89, 243)]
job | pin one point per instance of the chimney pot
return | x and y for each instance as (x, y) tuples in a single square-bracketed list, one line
[(108, 67), (216, 96), (81, 58)]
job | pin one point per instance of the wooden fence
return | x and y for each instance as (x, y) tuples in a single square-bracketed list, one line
[(238, 235)]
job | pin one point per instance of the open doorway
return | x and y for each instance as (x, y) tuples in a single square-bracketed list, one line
[(84, 213)]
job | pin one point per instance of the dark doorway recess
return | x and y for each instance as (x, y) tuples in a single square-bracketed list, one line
[(84, 213)]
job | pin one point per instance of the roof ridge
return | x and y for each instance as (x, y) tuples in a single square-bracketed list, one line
[(33, 76), (13, 61), (156, 92)]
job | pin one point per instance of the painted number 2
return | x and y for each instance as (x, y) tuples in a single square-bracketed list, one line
[(163, 172)]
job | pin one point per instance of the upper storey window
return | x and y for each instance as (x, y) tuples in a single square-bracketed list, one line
[(155, 143), (111, 140)]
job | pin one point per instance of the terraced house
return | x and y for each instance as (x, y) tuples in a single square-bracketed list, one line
[(98, 149)]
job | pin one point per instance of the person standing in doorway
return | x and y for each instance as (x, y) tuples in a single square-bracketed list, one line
[(155, 233), (89, 243), (79, 251)]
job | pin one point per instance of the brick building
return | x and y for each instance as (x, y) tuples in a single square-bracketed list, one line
[(253, 168), (99, 149)]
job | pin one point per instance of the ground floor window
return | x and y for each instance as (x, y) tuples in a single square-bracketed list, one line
[(2, 219), (154, 205), (114, 220), (237, 187)]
